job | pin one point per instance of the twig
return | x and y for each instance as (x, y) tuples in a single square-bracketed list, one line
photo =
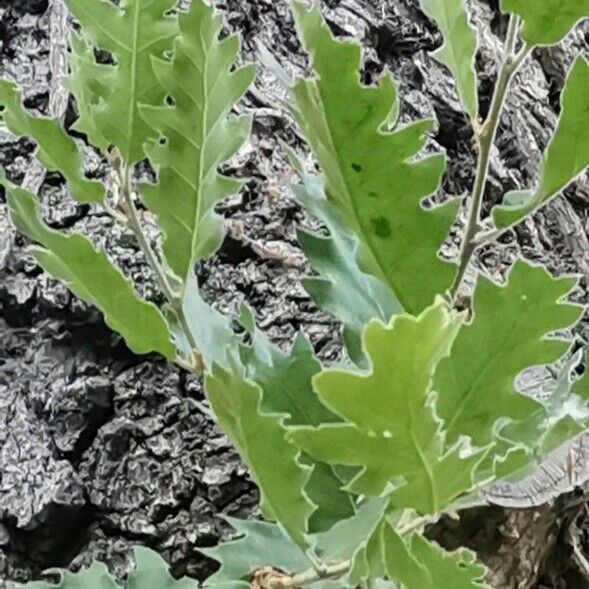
[(485, 136)]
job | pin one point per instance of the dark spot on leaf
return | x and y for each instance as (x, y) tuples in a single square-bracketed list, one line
[(373, 194), (381, 227), (357, 168)]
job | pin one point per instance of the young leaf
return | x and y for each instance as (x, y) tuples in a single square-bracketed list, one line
[(567, 155), (260, 439), (581, 387), (372, 177), (89, 274), (132, 32), (420, 564), (546, 22), (459, 50), (56, 150), (342, 289), (199, 135), (391, 429), (260, 544), (475, 384), (90, 82)]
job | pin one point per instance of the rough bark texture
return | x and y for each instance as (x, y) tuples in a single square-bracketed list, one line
[(100, 449)]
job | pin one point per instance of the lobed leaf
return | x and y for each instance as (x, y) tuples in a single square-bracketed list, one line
[(90, 83), (260, 439), (150, 572), (132, 32), (546, 22), (341, 288), (458, 53), (417, 563), (391, 429), (259, 544), (476, 383), (199, 135), (373, 178), (56, 150), (89, 274), (566, 157)]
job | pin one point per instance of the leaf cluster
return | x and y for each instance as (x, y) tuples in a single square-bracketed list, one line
[(423, 413)]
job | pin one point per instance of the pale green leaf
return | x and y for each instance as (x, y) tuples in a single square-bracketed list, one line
[(260, 544), (88, 273), (56, 150), (132, 32), (567, 155), (391, 429), (546, 22), (341, 288), (260, 439), (199, 135), (416, 563), (509, 332), (96, 576), (581, 387), (211, 330), (373, 178), (150, 572), (458, 53), (90, 82)]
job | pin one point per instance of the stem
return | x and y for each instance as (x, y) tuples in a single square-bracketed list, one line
[(194, 361), (135, 225), (485, 137), (271, 579)]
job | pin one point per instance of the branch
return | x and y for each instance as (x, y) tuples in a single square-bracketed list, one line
[(485, 136)]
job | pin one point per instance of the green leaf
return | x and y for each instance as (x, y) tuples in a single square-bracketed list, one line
[(260, 439), (89, 82), (458, 53), (89, 274), (373, 178), (199, 135), (132, 32), (260, 544), (285, 380), (56, 150), (342, 289), (391, 429), (546, 22), (475, 383), (96, 576), (567, 155), (210, 329), (419, 564), (150, 572)]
